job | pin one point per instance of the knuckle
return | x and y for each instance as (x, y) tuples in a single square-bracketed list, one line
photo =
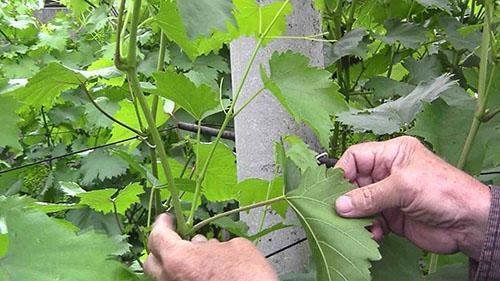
[(241, 242), (366, 199), (409, 140)]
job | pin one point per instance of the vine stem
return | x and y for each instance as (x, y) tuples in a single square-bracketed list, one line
[(154, 110), (480, 106), (230, 115), (134, 81), (482, 90), (235, 211)]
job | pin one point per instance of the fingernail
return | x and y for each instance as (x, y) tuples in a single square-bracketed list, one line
[(343, 205)]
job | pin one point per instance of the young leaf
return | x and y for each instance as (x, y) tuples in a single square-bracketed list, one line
[(214, 14), (307, 93), (342, 248), (100, 165), (99, 200), (53, 251), (128, 196), (252, 191), (220, 179), (197, 101), (389, 117), (8, 125), (43, 88)]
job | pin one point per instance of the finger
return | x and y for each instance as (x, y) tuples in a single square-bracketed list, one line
[(163, 237), (359, 160), (369, 200), (153, 268), (377, 231), (197, 239)]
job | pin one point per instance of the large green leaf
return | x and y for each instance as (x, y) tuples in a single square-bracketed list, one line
[(307, 93), (391, 116), (8, 124), (446, 126), (43, 88), (400, 260), (214, 14), (251, 19), (220, 178), (39, 248), (342, 248), (197, 101)]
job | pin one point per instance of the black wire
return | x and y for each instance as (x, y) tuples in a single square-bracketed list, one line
[(286, 248), (490, 173), (74, 153)]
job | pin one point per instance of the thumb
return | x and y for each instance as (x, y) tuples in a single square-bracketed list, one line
[(369, 200)]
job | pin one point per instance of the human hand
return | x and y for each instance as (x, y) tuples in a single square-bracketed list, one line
[(418, 195), (174, 259)]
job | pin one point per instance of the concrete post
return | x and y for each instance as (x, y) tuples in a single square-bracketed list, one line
[(264, 121)]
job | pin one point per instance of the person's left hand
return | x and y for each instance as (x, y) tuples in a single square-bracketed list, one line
[(174, 259)]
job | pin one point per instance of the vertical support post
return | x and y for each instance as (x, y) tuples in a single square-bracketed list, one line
[(265, 121)]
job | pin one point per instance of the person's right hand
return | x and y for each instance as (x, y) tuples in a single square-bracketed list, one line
[(418, 195)]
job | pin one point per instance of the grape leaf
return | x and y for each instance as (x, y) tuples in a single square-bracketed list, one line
[(389, 117), (100, 165), (42, 249), (95, 117), (197, 101), (43, 88), (252, 191), (251, 19), (127, 115), (102, 200), (446, 127), (459, 41), (342, 248), (384, 87), (349, 44), (440, 4), (214, 14), (128, 196), (99, 200), (423, 70), (8, 125), (220, 178), (408, 34), (307, 93), (400, 260)]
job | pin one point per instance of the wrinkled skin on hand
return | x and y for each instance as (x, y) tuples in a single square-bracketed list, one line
[(417, 195), (174, 259)]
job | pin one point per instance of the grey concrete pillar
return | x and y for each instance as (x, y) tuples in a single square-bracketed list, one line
[(47, 14), (264, 121)]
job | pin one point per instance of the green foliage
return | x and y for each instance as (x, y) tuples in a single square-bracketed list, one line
[(213, 14), (49, 248), (8, 126), (388, 65), (342, 248), (100, 165), (200, 101), (389, 117), (291, 78)]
